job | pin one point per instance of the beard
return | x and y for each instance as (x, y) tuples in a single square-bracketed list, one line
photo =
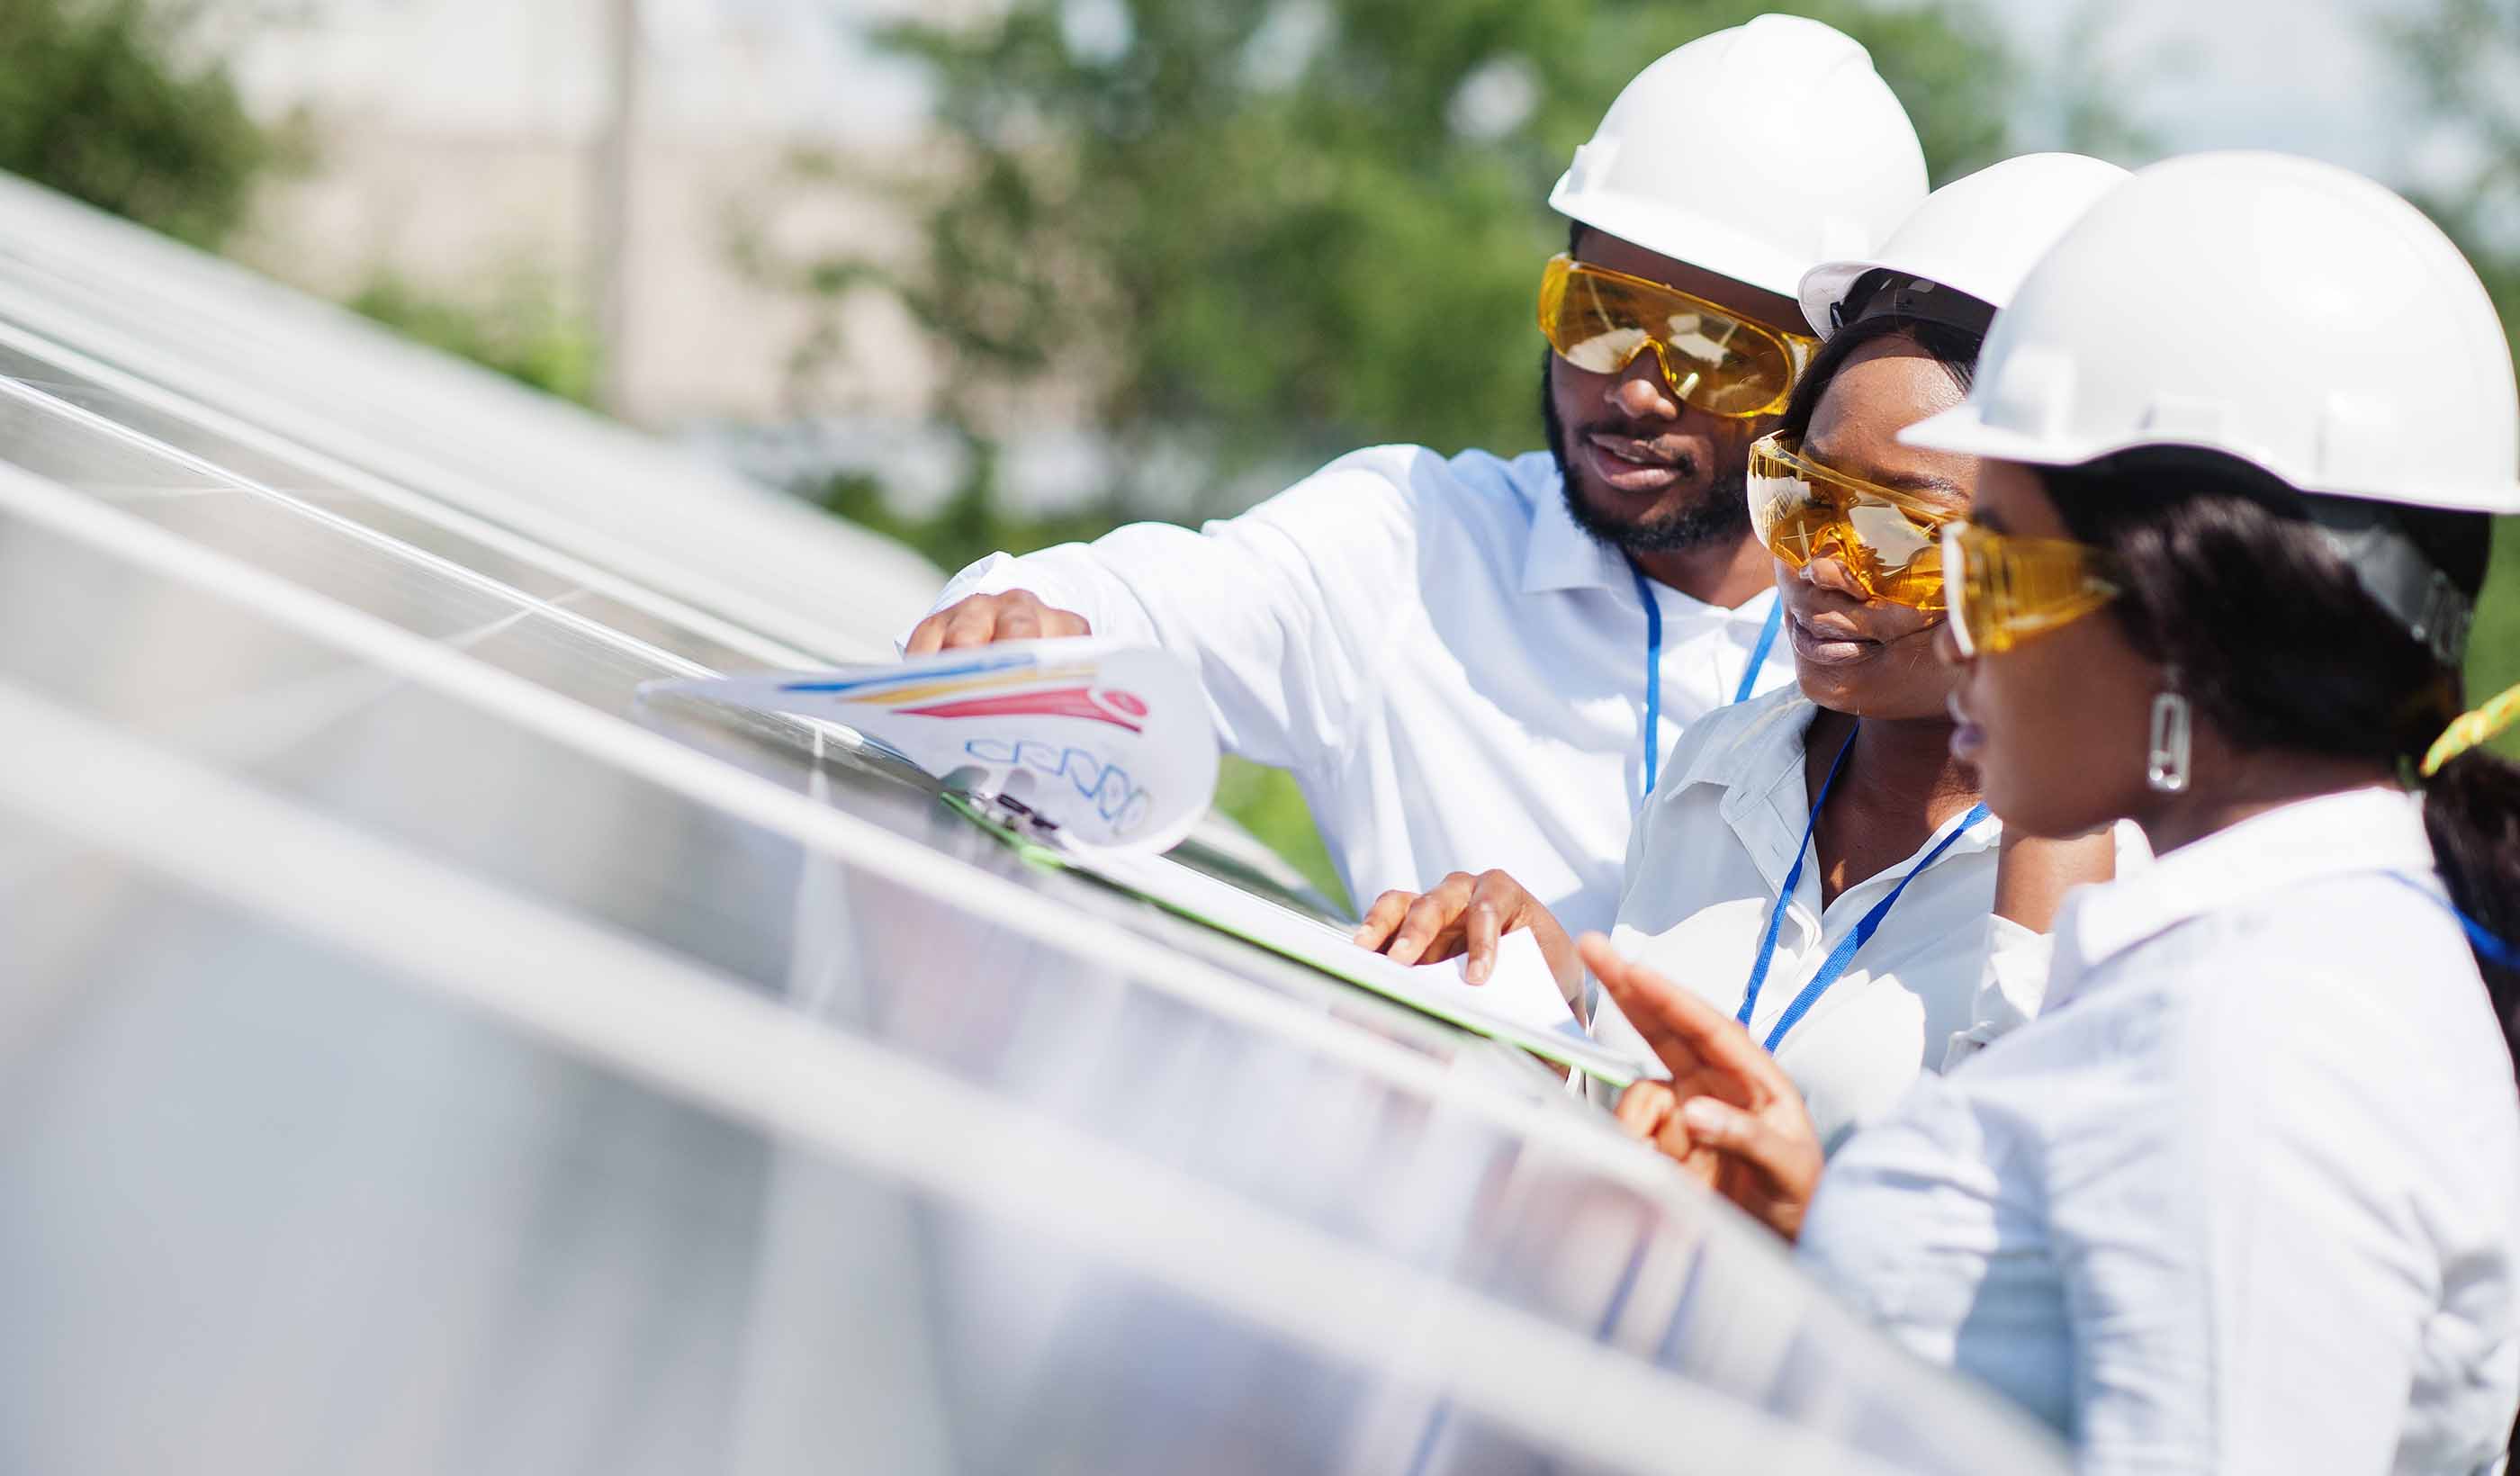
[(1722, 515)]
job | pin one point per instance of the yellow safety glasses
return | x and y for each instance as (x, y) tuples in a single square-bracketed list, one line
[(1890, 542), (2005, 590), (1718, 361)]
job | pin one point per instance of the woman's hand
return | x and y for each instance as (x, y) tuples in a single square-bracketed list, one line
[(1729, 1116), (1466, 915)]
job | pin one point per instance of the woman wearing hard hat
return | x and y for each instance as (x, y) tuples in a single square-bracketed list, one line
[(1816, 862), (2246, 1195)]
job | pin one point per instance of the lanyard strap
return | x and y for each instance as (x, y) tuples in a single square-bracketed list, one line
[(1654, 668), (1654, 675), (1840, 956), (2479, 937), (1759, 652)]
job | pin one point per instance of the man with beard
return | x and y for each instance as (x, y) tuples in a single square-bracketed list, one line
[(1477, 661)]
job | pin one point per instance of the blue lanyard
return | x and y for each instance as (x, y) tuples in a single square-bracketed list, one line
[(1653, 667), (2496, 952), (1870, 922)]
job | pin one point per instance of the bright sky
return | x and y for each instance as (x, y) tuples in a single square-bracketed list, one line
[(2308, 77)]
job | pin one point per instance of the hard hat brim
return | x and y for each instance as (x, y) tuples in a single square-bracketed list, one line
[(1824, 286), (1685, 236), (1963, 429)]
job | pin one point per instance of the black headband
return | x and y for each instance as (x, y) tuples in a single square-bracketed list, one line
[(2393, 571), (1879, 292)]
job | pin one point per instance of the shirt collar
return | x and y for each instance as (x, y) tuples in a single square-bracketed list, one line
[(1561, 556), (1757, 752), (2356, 831), (1756, 757)]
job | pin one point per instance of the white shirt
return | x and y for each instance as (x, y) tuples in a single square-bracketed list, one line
[(1708, 859), (1451, 669), (2246, 1195)]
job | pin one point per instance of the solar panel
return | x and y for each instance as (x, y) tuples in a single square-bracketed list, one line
[(431, 1057), (259, 363)]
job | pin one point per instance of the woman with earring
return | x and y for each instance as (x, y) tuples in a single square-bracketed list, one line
[(2246, 1195), (1817, 858)]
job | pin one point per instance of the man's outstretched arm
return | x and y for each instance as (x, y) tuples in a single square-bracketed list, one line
[(1282, 610)]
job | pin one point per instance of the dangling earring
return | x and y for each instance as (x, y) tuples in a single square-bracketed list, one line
[(2165, 768)]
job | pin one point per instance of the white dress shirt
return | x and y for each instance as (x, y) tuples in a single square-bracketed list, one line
[(1710, 854), (2246, 1195), (1451, 669)]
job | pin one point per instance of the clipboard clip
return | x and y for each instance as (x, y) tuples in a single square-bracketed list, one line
[(1000, 807)]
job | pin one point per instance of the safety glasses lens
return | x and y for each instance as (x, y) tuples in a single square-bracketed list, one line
[(1803, 512), (1958, 581), (1600, 320), (2003, 590)]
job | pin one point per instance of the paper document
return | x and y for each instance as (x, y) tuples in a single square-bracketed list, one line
[(1106, 745), (1096, 757), (1521, 989)]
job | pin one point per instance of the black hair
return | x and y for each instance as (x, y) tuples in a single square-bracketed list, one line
[(2225, 578), (1954, 348)]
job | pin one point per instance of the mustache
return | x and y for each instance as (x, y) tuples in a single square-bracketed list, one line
[(1662, 444)]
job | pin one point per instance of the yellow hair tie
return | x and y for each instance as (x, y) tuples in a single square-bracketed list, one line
[(2471, 728)]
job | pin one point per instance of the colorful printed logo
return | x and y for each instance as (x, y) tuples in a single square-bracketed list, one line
[(1121, 709)]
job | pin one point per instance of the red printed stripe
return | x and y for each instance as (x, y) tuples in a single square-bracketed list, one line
[(1060, 702)]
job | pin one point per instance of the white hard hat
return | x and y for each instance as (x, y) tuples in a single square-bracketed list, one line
[(1754, 152), (1977, 237), (2286, 312)]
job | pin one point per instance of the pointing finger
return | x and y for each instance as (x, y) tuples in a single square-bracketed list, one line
[(1739, 1134), (1683, 1031)]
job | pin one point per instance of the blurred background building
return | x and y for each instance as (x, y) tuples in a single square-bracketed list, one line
[(482, 153), (989, 274)]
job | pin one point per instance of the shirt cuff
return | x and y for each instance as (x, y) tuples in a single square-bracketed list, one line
[(997, 574), (2011, 986)]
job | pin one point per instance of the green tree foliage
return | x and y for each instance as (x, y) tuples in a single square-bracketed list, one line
[(2461, 58), (99, 101), (1265, 230), (971, 523)]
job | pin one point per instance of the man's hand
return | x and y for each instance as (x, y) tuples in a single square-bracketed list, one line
[(1015, 616), (1466, 915), (1729, 1116)]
